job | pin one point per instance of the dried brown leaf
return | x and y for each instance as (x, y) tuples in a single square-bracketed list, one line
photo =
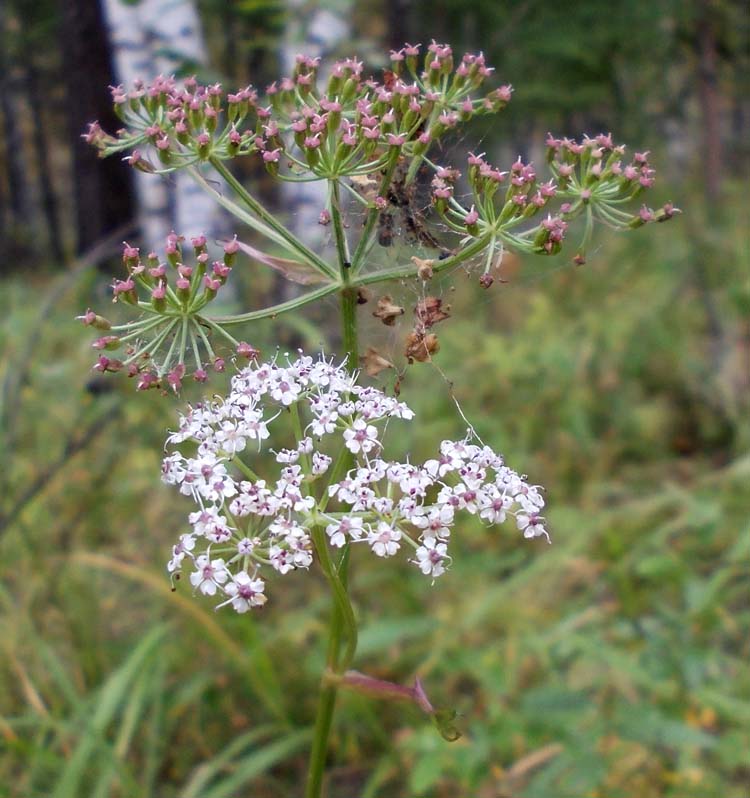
[(430, 311), (387, 311), (374, 362), (421, 347)]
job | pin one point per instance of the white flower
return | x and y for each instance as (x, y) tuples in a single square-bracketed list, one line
[(287, 456), (532, 525), (245, 592), (384, 539), (246, 546), (529, 497), (231, 435), (305, 446), (209, 574), (285, 390), (302, 558), (378, 496), (320, 463), (361, 437), (435, 521), (337, 531), (430, 557), (281, 559), (173, 469), (459, 497), (324, 424), (255, 428), (184, 547), (494, 506)]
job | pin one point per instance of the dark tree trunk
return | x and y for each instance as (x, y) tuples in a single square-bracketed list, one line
[(399, 20), (16, 180), (41, 155), (708, 93), (18, 204), (101, 188)]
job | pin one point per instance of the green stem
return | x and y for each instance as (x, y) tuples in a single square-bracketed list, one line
[(363, 247), (343, 623), (401, 272), (342, 245), (349, 325), (274, 310), (323, 720), (270, 220)]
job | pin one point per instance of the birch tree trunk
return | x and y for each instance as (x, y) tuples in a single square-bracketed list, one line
[(150, 38), (318, 32)]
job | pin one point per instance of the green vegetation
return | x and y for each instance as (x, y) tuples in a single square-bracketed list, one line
[(612, 663)]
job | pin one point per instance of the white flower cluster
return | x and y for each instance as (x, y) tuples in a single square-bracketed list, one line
[(243, 522)]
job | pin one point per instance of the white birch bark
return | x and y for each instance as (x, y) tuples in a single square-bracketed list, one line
[(318, 32), (150, 38)]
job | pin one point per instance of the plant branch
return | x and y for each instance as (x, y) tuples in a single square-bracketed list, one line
[(290, 241)]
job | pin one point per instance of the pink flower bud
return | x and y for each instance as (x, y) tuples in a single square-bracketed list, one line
[(146, 380), (159, 292), (91, 319), (221, 270), (106, 342), (174, 378), (246, 350)]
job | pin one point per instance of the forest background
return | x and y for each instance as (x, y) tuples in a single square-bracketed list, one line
[(613, 663)]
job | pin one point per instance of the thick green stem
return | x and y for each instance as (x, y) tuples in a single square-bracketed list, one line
[(348, 293), (343, 624), (323, 720), (349, 325)]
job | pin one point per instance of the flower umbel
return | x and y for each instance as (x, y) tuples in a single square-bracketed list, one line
[(173, 334), (246, 522)]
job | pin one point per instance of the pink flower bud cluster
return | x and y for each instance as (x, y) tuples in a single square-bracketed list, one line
[(594, 172), (356, 123), (347, 129), (181, 122), (244, 522), (588, 177), (523, 198), (170, 296)]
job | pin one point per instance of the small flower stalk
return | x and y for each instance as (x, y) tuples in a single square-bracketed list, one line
[(246, 524)]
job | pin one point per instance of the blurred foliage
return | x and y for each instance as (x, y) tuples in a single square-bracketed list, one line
[(614, 662), (578, 63)]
